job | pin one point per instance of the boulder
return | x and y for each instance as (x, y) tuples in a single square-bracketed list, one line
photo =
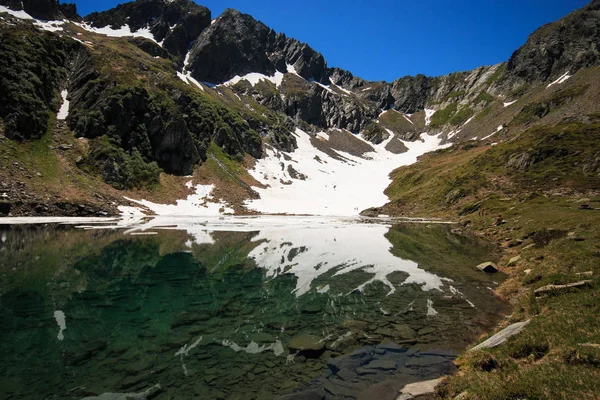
[(488, 267), (420, 388)]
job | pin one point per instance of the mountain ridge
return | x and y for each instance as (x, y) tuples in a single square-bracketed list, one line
[(152, 84)]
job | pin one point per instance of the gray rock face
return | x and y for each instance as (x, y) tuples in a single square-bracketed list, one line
[(554, 49), (187, 18)]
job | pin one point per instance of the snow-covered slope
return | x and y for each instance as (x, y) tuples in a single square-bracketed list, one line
[(310, 181)]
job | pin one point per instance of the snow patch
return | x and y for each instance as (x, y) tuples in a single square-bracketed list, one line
[(63, 112), (197, 204), (18, 14), (431, 312), (324, 86), (510, 103), (187, 78), (51, 26), (498, 129), (340, 88), (323, 135), (469, 120), (291, 69), (59, 316), (255, 77), (428, 114), (123, 31), (560, 80)]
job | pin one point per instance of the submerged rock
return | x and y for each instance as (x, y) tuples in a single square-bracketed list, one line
[(405, 332), (306, 341)]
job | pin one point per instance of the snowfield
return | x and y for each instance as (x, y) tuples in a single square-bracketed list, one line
[(323, 185)]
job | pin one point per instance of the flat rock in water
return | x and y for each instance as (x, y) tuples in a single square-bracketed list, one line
[(424, 361), (147, 394), (553, 288), (488, 267), (391, 348), (306, 395), (502, 336), (420, 388), (304, 341), (381, 365), (405, 331), (440, 352), (346, 375), (426, 331)]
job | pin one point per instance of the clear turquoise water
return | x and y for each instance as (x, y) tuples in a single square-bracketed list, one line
[(194, 310)]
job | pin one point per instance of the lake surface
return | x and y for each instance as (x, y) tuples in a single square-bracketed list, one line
[(236, 308)]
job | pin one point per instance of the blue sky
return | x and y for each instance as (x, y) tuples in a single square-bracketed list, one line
[(387, 39)]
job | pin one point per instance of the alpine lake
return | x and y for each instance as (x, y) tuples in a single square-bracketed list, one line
[(237, 308)]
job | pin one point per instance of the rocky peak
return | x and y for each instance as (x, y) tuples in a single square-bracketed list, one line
[(44, 9), (345, 79), (237, 44)]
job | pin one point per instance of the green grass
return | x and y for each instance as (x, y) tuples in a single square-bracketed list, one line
[(225, 166), (474, 185), (35, 155), (558, 156), (455, 94), (441, 117), (547, 359), (395, 122), (483, 98), (461, 116)]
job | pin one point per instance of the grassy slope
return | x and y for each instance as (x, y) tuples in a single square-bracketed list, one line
[(542, 200)]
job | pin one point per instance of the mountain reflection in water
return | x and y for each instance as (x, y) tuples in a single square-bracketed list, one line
[(235, 307)]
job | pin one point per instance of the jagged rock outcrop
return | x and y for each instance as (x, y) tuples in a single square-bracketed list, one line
[(174, 23), (237, 44), (557, 48)]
